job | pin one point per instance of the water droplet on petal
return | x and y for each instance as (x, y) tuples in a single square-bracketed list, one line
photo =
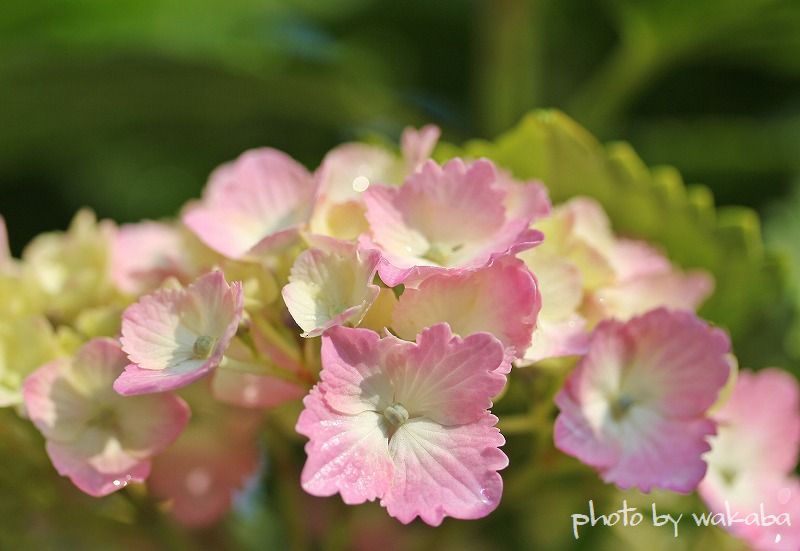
[(784, 495), (122, 483), (778, 538), (486, 496)]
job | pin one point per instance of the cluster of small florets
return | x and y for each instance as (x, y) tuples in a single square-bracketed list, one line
[(423, 287)]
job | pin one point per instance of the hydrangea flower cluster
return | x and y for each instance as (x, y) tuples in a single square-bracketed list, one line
[(388, 299)]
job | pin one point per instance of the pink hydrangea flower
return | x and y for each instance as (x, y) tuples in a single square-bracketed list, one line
[(587, 274), (406, 423), (200, 475), (253, 204), (175, 336), (348, 170), (143, 255), (753, 457), (445, 218), (97, 438), (331, 284), (501, 299), (635, 408)]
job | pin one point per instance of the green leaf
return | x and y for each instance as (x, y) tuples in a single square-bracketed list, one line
[(654, 204), (782, 231)]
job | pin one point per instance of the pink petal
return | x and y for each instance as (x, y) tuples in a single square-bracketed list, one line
[(589, 223), (776, 494), (145, 254), (501, 299), (444, 378), (445, 471), (556, 340), (70, 462), (352, 375), (760, 423), (135, 380), (632, 259), (636, 296), (60, 396), (258, 201), (682, 357), (53, 404), (345, 163), (668, 455), (149, 424), (347, 454), (417, 145), (524, 198)]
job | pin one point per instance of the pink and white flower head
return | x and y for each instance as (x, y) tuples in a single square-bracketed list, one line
[(348, 170), (175, 336), (447, 217), (256, 203), (143, 255), (754, 454), (501, 298), (406, 423), (635, 408), (99, 439), (331, 284)]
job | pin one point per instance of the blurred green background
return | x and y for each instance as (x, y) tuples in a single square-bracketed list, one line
[(126, 106)]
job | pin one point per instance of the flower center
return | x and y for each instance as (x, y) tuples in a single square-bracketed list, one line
[(202, 347), (728, 476), (440, 254), (105, 419), (396, 414), (620, 406)]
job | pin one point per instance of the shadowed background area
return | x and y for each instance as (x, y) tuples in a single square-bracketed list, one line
[(127, 106)]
